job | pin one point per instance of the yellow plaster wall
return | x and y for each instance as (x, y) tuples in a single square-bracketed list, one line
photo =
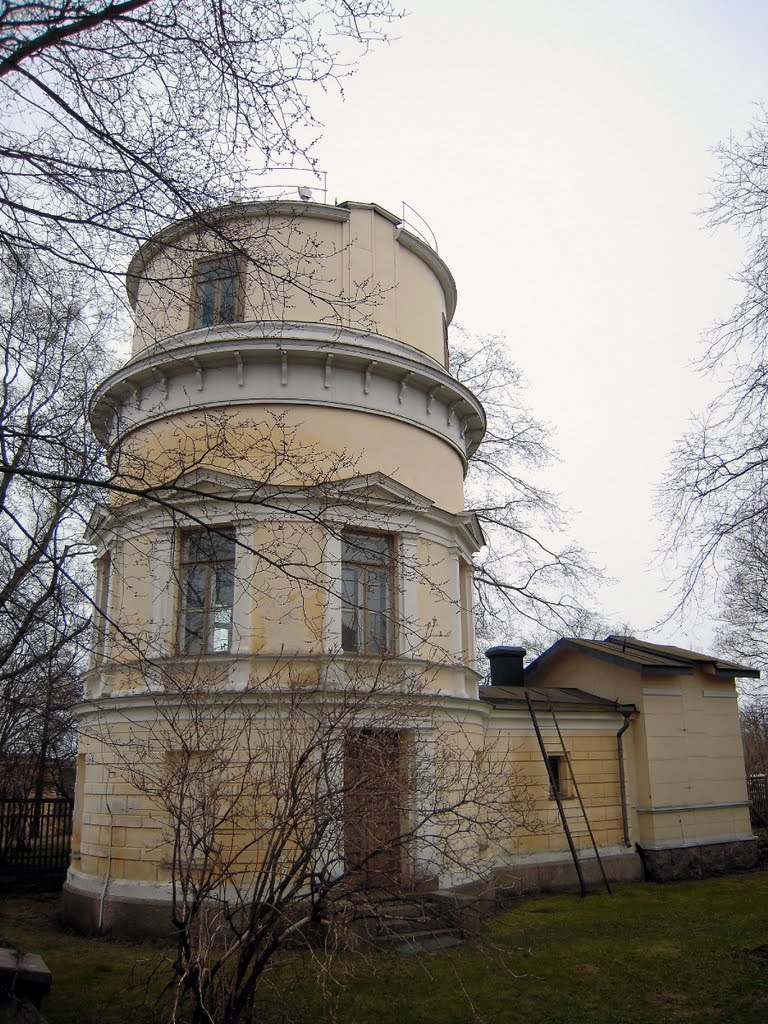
[(325, 444), (687, 748), (439, 609), (287, 588), (484, 774), (114, 813), (595, 767), (123, 810)]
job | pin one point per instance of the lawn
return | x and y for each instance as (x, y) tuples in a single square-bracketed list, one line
[(683, 952)]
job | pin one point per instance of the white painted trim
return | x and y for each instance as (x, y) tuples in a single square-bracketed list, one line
[(731, 694), (558, 856), (410, 639), (351, 506), (243, 601), (202, 370), (661, 691), (331, 570), (164, 592), (691, 807), (92, 885), (680, 844), (142, 706)]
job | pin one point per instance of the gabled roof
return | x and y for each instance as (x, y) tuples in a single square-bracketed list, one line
[(641, 656)]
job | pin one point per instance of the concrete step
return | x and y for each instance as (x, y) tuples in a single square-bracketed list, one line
[(416, 923)]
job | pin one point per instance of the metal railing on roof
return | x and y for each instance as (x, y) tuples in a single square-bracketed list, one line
[(418, 225), (311, 185)]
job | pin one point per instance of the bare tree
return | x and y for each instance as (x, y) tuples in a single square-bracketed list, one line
[(118, 116), (714, 495), (744, 595), (52, 356), (530, 585), (754, 732), (264, 805)]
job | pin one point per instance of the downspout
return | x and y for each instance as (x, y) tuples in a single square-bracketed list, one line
[(109, 866), (622, 775)]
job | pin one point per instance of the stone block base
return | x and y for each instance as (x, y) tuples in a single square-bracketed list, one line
[(560, 875), (120, 915), (674, 863), (466, 905)]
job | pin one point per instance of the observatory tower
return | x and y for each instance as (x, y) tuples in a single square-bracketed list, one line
[(288, 449)]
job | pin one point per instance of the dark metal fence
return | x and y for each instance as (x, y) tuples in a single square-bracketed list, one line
[(35, 838), (757, 787)]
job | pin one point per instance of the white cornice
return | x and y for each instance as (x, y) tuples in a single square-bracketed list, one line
[(418, 708), (310, 365)]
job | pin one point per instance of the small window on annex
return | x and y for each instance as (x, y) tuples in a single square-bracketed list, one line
[(366, 581), (215, 292), (206, 591), (558, 772)]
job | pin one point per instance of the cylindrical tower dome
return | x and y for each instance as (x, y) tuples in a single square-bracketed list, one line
[(332, 316)]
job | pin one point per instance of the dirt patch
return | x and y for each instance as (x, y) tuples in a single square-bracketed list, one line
[(668, 998)]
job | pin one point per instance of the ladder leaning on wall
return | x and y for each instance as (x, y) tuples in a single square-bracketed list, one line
[(554, 786)]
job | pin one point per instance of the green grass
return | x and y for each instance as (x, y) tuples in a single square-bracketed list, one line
[(649, 954), (95, 981)]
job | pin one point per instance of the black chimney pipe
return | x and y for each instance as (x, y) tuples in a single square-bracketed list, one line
[(506, 665)]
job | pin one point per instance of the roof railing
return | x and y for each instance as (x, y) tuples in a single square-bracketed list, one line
[(311, 185), (418, 226)]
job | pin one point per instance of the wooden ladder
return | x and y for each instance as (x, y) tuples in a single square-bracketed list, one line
[(555, 790)]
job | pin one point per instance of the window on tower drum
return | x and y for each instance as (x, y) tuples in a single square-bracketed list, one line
[(206, 591), (366, 582), (216, 292)]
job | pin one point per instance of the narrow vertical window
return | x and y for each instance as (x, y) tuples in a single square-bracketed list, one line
[(215, 292), (366, 582), (101, 605), (206, 591)]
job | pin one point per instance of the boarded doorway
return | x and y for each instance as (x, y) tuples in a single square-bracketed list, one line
[(373, 807)]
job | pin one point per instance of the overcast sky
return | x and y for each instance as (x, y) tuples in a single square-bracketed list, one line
[(560, 150)]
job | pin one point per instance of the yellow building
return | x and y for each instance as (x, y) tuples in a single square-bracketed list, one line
[(283, 703), (672, 778)]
